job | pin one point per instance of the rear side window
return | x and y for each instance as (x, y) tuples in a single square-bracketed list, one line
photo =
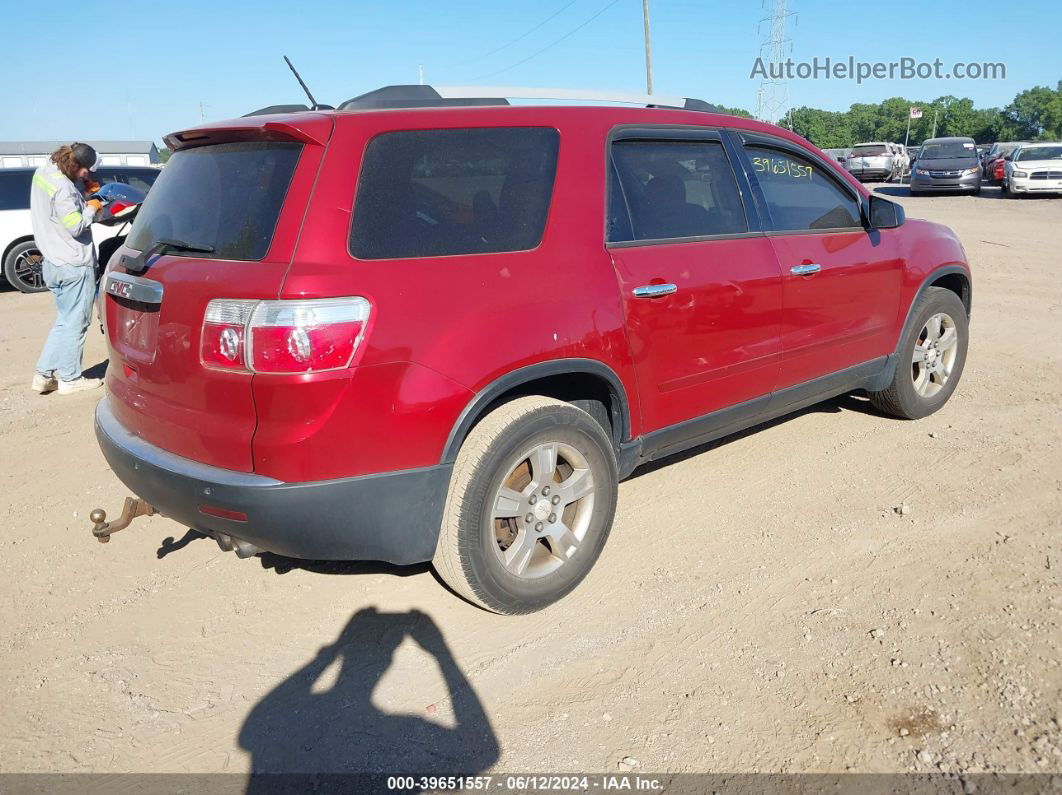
[(432, 193), (673, 189), (799, 194), (15, 190), (227, 196)]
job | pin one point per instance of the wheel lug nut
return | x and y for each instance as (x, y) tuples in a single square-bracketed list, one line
[(545, 491), (556, 499), (538, 527), (529, 518), (533, 499), (552, 518)]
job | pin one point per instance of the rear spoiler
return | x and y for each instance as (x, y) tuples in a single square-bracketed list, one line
[(306, 128)]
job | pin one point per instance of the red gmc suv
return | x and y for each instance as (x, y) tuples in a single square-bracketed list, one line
[(444, 330)]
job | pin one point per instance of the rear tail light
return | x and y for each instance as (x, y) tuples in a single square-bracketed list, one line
[(283, 336)]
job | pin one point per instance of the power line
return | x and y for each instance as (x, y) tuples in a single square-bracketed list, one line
[(522, 36), (552, 44)]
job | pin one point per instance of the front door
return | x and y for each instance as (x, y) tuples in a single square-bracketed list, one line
[(702, 295), (840, 281)]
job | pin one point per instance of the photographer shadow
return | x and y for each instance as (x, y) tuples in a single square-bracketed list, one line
[(303, 737)]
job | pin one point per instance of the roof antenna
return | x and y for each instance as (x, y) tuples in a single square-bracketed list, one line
[(291, 66)]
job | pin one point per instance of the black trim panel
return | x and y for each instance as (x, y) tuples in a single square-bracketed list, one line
[(393, 516), (481, 402), (684, 435)]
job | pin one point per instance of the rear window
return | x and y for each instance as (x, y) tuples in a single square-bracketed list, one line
[(15, 190), (869, 151), (227, 196), (432, 193)]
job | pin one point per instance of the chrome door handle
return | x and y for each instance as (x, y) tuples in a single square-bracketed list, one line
[(655, 290), (804, 270)]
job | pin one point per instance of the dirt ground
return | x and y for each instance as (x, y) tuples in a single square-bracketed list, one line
[(764, 605)]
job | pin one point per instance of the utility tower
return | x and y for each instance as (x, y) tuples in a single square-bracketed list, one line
[(772, 103)]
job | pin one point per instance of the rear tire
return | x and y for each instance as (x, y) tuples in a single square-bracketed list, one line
[(932, 356), (22, 268), (530, 506)]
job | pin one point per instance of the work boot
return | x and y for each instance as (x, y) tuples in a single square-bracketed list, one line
[(79, 385), (43, 384)]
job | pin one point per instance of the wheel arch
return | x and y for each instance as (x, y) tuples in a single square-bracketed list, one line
[(564, 379), (954, 277), (12, 244)]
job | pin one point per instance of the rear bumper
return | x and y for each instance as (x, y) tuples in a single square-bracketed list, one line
[(870, 173), (393, 517)]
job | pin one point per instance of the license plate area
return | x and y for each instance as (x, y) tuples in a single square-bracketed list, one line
[(134, 329)]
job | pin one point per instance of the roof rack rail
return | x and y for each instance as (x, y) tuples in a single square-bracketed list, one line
[(419, 96)]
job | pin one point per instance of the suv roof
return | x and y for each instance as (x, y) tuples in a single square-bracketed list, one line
[(423, 96), (315, 126)]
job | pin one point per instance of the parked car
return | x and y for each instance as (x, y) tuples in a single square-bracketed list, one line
[(997, 170), (1033, 168), (947, 164), (19, 254), (446, 334), (996, 153), (872, 161)]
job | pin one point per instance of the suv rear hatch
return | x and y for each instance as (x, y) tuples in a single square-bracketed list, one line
[(231, 202)]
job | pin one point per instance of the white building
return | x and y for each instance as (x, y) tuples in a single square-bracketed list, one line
[(14, 154)]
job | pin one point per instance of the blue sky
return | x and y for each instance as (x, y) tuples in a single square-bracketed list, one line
[(227, 55)]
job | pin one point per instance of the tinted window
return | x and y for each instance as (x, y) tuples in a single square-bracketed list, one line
[(674, 189), (227, 196), (948, 149), (15, 190), (142, 179), (869, 151), (429, 193), (799, 194)]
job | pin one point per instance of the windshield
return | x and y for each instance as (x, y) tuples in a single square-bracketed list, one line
[(1038, 153), (869, 151), (946, 150), (223, 196)]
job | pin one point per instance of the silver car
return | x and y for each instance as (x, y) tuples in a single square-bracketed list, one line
[(947, 164), (872, 161)]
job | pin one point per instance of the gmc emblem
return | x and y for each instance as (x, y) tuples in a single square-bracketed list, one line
[(120, 289)]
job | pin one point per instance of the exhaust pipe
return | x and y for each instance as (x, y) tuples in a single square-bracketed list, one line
[(243, 549)]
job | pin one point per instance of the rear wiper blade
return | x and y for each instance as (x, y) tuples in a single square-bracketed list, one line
[(166, 244), (138, 264)]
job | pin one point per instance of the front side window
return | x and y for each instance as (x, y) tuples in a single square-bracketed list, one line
[(673, 189), (223, 196), (433, 193), (799, 195)]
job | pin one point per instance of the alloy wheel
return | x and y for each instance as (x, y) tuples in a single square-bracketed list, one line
[(542, 510), (935, 351)]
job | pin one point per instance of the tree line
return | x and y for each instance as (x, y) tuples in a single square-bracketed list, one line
[(1034, 114)]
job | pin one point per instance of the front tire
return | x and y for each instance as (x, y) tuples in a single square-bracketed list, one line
[(530, 506), (932, 356), (23, 268)]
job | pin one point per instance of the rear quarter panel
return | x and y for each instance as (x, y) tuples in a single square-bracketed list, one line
[(443, 328)]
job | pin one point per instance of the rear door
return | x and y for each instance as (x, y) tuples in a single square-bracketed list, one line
[(702, 294), (241, 193), (840, 281)]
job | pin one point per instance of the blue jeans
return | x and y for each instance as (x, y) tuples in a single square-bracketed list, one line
[(74, 288)]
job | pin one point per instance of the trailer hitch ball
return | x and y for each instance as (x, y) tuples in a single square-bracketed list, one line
[(132, 509)]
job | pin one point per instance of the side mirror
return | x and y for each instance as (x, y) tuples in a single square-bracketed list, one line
[(885, 214), (1008, 157)]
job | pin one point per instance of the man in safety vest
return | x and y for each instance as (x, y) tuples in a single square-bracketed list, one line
[(61, 228)]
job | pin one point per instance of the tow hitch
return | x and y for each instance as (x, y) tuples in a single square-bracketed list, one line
[(133, 508)]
